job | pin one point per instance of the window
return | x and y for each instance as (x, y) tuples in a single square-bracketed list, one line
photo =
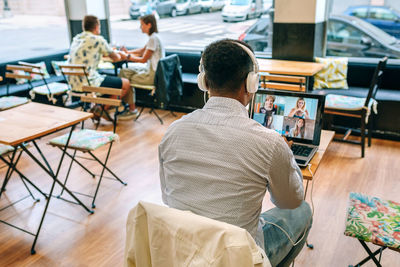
[(360, 12), (381, 14), (344, 33)]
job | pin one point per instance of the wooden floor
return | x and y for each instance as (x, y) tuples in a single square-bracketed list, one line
[(72, 237)]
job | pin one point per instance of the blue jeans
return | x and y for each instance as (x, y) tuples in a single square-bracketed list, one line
[(279, 249)]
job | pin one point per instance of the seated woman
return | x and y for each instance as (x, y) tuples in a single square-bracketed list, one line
[(268, 109), (150, 54), (300, 110), (299, 129)]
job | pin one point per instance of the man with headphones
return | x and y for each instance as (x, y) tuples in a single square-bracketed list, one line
[(219, 163)]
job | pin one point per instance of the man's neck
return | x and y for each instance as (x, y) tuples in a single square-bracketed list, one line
[(239, 96)]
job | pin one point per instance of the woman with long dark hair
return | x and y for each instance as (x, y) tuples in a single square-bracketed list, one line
[(149, 55), (299, 129)]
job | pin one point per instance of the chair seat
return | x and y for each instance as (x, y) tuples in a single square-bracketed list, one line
[(374, 220), (55, 89), (342, 102), (7, 102), (85, 139), (5, 149), (143, 86)]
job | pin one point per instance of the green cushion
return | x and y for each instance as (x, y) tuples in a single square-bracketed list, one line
[(7, 102), (374, 220), (86, 139), (5, 149)]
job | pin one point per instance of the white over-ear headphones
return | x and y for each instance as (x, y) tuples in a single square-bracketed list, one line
[(251, 80)]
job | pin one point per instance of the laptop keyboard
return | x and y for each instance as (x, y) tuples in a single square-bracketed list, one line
[(300, 150)]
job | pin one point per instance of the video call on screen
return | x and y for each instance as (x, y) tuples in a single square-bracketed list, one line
[(289, 116)]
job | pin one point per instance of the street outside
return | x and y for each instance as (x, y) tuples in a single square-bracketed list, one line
[(26, 36)]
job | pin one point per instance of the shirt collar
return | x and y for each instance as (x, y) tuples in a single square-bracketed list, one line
[(226, 104)]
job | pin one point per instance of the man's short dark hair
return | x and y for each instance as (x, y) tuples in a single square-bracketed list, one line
[(226, 65), (152, 20), (90, 22)]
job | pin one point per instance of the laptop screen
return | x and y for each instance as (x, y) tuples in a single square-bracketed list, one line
[(291, 114)]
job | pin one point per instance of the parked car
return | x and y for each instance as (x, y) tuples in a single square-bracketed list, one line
[(212, 5), (346, 36), (383, 17), (184, 7), (239, 10), (142, 7)]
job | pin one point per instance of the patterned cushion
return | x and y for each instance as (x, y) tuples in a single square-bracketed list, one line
[(333, 75), (86, 139), (345, 102), (5, 149), (35, 77), (7, 102), (373, 220), (55, 89), (56, 68)]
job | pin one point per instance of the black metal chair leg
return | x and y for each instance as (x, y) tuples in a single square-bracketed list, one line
[(140, 113), (66, 177), (102, 164), (80, 164), (158, 117), (363, 134), (9, 172), (370, 124), (101, 176)]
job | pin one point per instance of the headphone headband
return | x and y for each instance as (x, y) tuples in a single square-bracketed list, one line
[(251, 79)]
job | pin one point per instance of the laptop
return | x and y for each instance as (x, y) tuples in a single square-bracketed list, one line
[(297, 116)]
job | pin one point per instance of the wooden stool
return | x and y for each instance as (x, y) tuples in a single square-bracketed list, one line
[(371, 219)]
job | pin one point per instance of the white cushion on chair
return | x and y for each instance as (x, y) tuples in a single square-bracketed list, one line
[(7, 102), (343, 102), (5, 149), (86, 139), (55, 89), (143, 86)]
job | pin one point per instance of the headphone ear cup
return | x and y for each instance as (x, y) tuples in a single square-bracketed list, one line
[(252, 82), (201, 81)]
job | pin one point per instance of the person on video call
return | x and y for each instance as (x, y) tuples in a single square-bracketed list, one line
[(300, 110), (219, 163), (268, 109), (299, 129)]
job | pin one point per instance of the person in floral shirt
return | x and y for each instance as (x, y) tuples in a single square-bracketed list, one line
[(88, 48)]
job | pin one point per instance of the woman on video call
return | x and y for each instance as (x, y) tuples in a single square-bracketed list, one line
[(299, 129), (300, 110), (268, 109)]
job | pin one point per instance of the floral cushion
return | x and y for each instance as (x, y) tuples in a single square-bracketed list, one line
[(41, 65), (86, 139), (373, 220), (7, 102), (56, 68), (333, 75), (5, 149)]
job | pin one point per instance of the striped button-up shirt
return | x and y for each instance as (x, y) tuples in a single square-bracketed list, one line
[(218, 163)]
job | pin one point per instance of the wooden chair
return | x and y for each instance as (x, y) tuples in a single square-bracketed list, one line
[(87, 141), (356, 107), (283, 82), (8, 101), (78, 70), (53, 91)]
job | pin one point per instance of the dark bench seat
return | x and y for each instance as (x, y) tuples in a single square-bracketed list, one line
[(23, 89)]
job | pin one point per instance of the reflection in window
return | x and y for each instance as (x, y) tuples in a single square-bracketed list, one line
[(382, 14)]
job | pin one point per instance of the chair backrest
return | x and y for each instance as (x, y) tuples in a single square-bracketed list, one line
[(95, 95), (376, 80), (35, 69), (162, 236), (74, 70), (17, 72), (283, 82), (168, 80)]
